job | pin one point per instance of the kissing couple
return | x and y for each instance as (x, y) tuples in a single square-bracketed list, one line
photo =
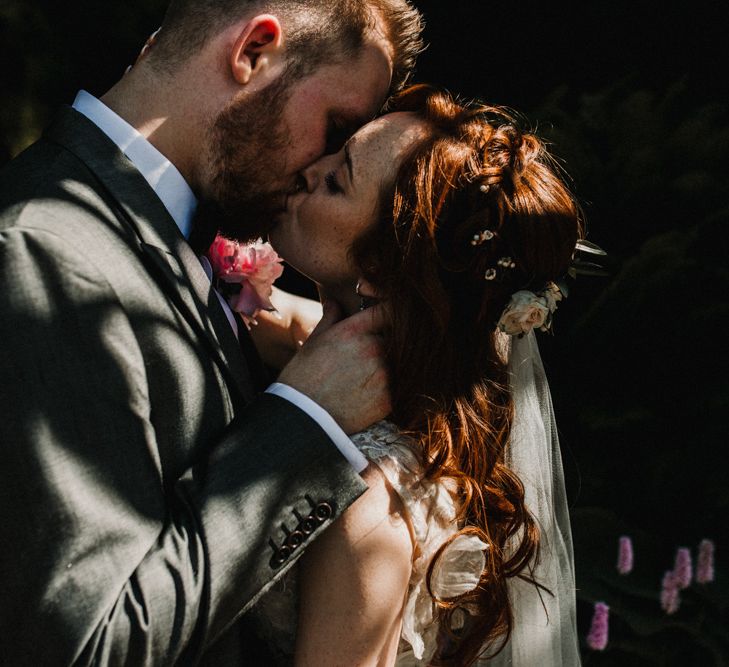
[(395, 497)]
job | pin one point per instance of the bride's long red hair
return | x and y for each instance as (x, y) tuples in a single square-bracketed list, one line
[(448, 373)]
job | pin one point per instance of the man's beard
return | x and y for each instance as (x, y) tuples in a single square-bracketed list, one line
[(248, 144)]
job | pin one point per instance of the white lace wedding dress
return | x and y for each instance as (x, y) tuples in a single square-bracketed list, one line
[(432, 512), (544, 633)]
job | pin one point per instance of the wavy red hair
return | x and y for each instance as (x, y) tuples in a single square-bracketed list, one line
[(450, 386)]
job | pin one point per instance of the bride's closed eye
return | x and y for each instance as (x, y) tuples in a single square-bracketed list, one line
[(332, 184)]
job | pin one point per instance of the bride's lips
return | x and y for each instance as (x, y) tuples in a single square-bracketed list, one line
[(291, 196), (298, 188)]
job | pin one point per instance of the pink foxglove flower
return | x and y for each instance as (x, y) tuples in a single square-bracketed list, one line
[(597, 638), (253, 266), (705, 564), (682, 569), (670, 596), (625, 555)]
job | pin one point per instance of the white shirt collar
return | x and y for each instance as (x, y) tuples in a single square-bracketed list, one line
[(158, 171)]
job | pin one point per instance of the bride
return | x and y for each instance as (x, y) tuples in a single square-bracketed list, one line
[(460, 550)]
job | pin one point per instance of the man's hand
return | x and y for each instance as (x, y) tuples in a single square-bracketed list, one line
[(342, 368)]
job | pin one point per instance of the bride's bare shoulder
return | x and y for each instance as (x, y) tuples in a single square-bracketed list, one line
[(379, 510), (353, 582)]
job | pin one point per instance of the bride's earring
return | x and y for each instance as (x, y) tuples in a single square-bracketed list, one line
[(364, 300)]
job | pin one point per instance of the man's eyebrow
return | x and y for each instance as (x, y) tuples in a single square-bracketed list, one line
[(348, 160)]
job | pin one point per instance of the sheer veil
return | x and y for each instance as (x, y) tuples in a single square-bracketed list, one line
[(545, 628)]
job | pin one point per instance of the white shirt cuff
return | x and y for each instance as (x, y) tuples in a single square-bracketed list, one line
[(348, 449)]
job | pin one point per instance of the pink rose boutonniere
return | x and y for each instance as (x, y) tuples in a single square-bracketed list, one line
[(245, 273)]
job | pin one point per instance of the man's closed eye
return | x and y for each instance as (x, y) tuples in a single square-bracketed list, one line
[(337, 134)]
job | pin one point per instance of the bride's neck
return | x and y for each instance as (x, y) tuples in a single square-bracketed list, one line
[(345, 295)]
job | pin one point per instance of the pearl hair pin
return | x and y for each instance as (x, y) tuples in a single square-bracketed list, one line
[(506, 263), (481, 237)]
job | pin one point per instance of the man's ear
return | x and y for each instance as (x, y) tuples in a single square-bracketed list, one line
[(260, 39)]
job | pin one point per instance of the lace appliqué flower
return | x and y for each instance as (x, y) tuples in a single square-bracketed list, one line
[(245, 273)]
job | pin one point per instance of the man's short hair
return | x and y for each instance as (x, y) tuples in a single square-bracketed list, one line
[(317, 31)]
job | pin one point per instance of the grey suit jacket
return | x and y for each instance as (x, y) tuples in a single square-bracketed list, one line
[(149, 494)]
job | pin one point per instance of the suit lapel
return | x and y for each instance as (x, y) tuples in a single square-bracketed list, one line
[(176, 267)]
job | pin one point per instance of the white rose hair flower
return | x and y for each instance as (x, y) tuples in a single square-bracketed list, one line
[(528, 310)]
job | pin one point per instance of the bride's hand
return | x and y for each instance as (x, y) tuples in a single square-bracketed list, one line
[(279, 336)]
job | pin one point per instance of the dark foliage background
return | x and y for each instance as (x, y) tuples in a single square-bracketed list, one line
[(632, 96)]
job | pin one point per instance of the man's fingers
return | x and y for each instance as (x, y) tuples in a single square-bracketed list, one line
[(372, 320)]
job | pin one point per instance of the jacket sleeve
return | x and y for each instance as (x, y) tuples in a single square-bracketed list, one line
[(105, 561)]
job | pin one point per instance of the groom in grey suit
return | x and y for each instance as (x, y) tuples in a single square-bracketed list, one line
[(152, 487)]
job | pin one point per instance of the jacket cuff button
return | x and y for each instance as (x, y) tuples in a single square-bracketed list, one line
[(295, 539), (323, 512)]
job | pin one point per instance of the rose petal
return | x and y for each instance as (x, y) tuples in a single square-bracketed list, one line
[(247, 301)]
